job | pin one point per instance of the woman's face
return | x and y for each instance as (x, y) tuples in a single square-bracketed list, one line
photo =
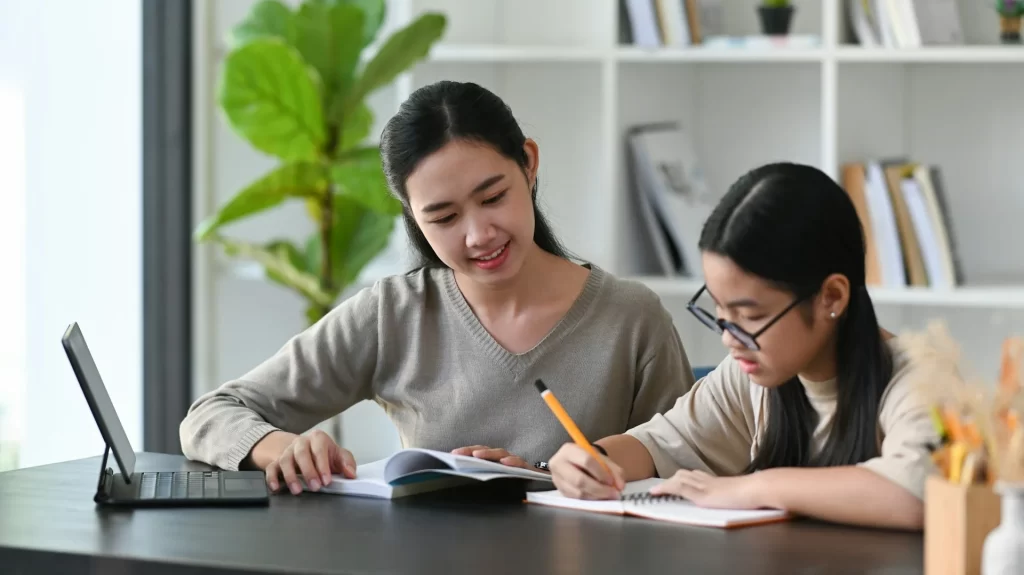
[(796, 343), (474, 207)]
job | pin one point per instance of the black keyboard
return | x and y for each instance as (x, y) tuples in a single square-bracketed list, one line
[(179, 485)]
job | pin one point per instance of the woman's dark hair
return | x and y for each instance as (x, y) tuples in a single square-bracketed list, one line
[(437, 114), (794, 226)]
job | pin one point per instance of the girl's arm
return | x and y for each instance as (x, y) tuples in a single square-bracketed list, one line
[(848, 494), (630, 455)]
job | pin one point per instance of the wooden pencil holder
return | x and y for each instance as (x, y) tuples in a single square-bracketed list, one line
[(957, 518)]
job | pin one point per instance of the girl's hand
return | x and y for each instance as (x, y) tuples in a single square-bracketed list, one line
[(493, 454), (577, 474), (315, 457), (742, 492)]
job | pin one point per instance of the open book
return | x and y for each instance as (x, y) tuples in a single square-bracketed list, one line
[(414, 470), (636, 501)]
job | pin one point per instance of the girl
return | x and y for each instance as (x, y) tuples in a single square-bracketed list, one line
[(814, 410), (451, 349)]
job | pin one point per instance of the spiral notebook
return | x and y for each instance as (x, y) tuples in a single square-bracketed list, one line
[(638, 502)]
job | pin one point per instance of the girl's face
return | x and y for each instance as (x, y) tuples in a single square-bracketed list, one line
[(474, 208), (797, 343)]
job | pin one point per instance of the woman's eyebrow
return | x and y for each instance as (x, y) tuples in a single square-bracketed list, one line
[(482, 186)]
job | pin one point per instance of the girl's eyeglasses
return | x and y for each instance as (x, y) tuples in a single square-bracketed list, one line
[(718, 325)]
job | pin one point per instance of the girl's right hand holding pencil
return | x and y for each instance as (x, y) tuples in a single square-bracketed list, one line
[(577, 474)]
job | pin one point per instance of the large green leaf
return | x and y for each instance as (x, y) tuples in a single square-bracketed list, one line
[(359, 235), (374, 12), (282, 263), (266, 18), (329, 37), (403, 49), (272, 98), (359, 177), (356, 127), (294, 180)]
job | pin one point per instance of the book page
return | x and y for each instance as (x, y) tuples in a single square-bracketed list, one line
[(675, 511), (414, 460), (554, 497), (686, 512), (369, 481)]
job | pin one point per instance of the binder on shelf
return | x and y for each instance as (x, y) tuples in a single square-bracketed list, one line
[(672, 194), (905, 23), (908, 231)]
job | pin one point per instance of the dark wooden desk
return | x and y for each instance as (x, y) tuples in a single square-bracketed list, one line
[(49, 524)]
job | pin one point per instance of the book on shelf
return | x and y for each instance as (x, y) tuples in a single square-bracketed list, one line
[(908, 230), (671, 194), (413, 470), (636, 501), (675, 23), (904, 23)]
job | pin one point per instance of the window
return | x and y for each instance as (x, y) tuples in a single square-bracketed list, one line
[(12, 290), (70, 227)]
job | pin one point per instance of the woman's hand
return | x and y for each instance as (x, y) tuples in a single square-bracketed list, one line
[(742, 492), (577, 474), (493, 454), (314, 456)]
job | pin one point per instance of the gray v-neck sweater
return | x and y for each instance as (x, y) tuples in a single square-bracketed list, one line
[(413, 344)]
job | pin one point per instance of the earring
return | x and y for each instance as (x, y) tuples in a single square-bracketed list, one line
[(832, 315)]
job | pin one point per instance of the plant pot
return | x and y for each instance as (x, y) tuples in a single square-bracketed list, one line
[(775, 20), (1009, 29), (1003, 553)]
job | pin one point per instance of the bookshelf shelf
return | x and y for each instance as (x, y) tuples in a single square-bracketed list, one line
[(937, 55), (982, 296), (498, 53), (722, 54)]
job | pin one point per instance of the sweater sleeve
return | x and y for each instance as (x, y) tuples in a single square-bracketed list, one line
[(665, 375), (317, 374), (710, 428), (906, 430)]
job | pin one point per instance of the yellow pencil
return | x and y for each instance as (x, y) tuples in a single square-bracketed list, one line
[(569, 424)]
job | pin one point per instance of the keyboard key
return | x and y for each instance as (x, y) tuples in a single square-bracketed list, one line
[(179, 484), (195, 485), (147, 489), (163, 485), (212, 486)]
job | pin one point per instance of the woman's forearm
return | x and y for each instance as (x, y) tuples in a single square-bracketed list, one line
[(849, 494), (628, 453)]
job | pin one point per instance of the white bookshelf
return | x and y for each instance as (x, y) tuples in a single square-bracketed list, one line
[(575, 89)]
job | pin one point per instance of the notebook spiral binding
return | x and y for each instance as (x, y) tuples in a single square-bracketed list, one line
[(649, 498)]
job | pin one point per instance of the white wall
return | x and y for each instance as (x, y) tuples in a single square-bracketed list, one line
[(83, 92)]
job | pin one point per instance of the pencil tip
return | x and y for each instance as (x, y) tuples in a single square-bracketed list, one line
[(540, 386)]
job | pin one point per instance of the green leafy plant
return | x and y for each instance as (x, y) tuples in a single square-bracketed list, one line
[(294, 84), (1010, 8)]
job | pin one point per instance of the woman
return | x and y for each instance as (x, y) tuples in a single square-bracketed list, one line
[(816, 408), (451, 350)]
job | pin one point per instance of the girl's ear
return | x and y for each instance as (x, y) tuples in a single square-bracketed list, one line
[(835, 296), (532, 152)]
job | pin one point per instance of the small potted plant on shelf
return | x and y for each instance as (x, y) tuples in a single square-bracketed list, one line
[(776, 16), (1010, 12)]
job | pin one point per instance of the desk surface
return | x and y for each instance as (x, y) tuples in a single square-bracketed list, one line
[(49, 524)]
